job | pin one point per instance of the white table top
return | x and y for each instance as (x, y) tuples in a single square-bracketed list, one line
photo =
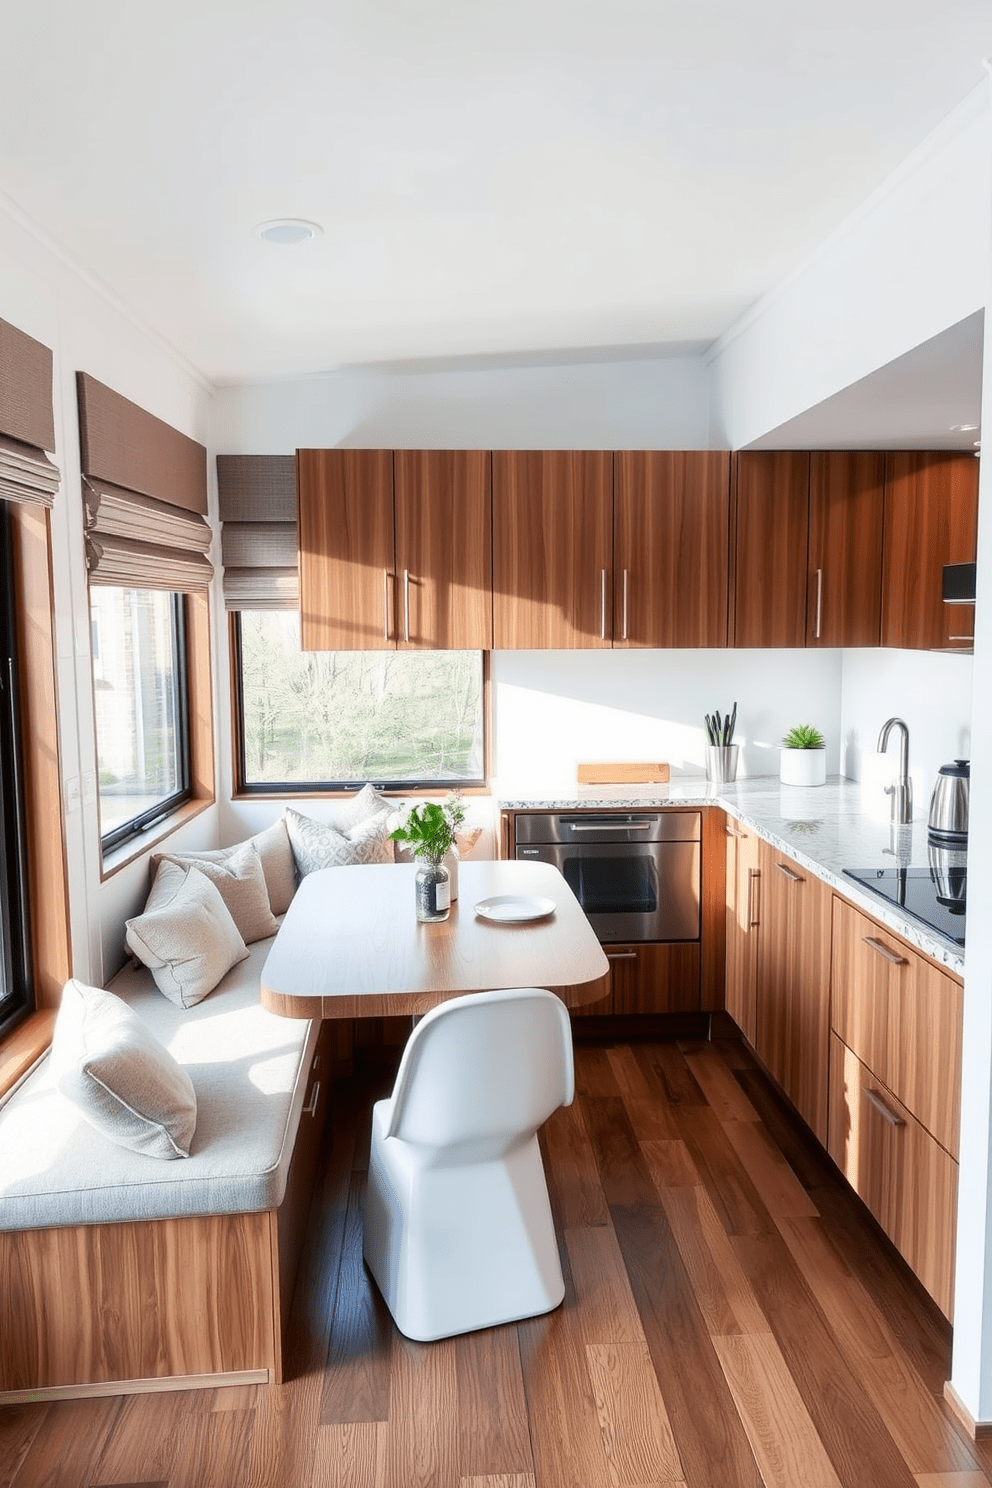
[(351, 945)]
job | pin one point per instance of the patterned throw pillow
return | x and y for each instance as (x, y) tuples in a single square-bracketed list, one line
[(318, 845)]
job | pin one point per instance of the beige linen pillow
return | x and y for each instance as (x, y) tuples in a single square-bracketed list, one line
[(185, 936), (350, 813), (239, 878), (122, 1080), (278, 865), (319, 845)]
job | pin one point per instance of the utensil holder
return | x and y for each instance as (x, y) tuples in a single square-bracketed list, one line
[(721, 763)]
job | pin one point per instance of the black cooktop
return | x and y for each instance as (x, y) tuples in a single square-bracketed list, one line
[(934, 897)]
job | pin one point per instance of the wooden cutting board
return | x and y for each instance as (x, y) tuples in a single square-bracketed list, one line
[(623, 772)]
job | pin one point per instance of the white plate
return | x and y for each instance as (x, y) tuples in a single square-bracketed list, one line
[(511, 909)]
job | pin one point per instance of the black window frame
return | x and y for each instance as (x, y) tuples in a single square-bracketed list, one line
[(136, 826), (17, 991), (243, 787)]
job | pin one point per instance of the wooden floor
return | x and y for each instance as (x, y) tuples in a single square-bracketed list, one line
[(732, 1318)]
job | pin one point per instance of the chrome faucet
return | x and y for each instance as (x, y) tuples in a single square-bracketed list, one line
[(902, 791)]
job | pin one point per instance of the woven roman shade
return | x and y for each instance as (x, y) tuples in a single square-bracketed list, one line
[(144, 496), (258, 535), (27, 420)]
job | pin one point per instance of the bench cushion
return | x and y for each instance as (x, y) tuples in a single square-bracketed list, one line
[(249, 1069)]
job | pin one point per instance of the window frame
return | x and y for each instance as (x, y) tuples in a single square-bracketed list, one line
[(317, 788), (17, 998), (137, 826)]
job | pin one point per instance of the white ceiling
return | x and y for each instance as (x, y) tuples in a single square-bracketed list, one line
[(495, 180)]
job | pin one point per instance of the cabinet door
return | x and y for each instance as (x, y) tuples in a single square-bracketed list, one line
[(444, 555), (552, 548), (743, 913), (655, 977), (671, 548), (771, 530), (794, 984), (906, 1178), (844, 603), (347, 591), (931, 518)]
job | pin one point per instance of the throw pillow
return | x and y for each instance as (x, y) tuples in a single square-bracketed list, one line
[(318, 845), (278, 864), (186, 935), (240, 880), (123, 1081), (350, 813)]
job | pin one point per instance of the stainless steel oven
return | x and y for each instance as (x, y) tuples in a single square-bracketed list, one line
[(635, 873)]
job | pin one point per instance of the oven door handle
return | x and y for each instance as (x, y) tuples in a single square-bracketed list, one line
[(598, 827)]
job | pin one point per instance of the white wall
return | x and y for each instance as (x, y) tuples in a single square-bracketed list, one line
[(45, 295), (910, 262), (555, 708), (657, 403)]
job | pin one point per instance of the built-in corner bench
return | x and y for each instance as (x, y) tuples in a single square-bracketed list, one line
[(120, 1271)]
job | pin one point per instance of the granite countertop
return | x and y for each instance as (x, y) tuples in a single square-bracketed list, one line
[(825, 828)]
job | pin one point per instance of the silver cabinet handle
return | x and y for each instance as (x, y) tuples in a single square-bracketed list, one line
[(819, 600), (626, 579), (602, 604), (642, 826), (753, 874), (310, 1109), (621, 955), (406, 604), (970, 638), (882, 950), (788, 873), (385, 604), (874, 1099)]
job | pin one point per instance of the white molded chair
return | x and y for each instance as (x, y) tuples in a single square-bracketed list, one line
[(458, 1227)]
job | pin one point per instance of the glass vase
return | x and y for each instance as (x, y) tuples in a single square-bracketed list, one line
[(433, 892)]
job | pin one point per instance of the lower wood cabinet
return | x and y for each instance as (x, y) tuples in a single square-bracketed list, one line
[(905, 1177), (793, 983), (743, 919), (649, 977)]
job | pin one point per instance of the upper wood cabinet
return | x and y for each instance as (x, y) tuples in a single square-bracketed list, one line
[(771, 539), (793, 999), (552, 549), (671, 526), (844, 599), (931, 518), (384, 568)]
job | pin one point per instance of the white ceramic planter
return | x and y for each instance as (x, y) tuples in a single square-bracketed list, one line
[(803, 767)]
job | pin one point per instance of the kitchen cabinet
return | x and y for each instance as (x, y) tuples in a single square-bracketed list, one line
[(793, 981), (395, 551), (671, 519), (844, 596), (895, 1090), (743, 918), (649, 977), (931, 518), (552, 549), (770, 546)]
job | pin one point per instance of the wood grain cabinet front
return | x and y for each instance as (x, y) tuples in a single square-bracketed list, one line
[(844, 595), (395, 550), (743, 920), (931, 518), (793, 996)]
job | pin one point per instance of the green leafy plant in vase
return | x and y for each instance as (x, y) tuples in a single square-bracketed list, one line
[(804, 756), (428, 829)]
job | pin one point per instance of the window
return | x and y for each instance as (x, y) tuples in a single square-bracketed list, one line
[(140, 699), (15, 981), (324, 719)]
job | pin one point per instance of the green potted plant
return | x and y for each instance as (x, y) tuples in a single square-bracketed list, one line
[(428, 829), (804, 756)]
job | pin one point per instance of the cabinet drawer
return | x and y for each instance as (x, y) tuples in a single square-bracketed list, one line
[(905, 1178), (901, 1017)]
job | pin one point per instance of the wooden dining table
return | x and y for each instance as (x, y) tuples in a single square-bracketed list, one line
[(351, 945)]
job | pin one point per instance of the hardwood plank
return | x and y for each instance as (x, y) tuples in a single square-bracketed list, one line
[(501, 1480), (847, 1422), (952, 1480), (565, 1436), (721, 1290), (802, 1152), (213, 1449), (729, 1186), (19, 1428), (594, 1074), (66, 1452), (651, 1116), (718, 1085), (912, 1416), (358, 1374), (778, 1426), (573, 1178), (637, 1434), (602, 1292), (781, 1192), (494, 1437), (143, 1439), (669, 1164), (421, 1445), (349, 1454), (678, 1086)]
